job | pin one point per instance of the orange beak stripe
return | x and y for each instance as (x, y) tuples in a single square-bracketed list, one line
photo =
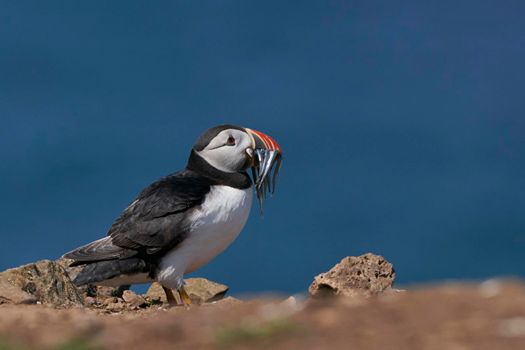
[(268, 141)]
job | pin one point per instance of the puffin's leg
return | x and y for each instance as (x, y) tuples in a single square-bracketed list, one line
[(186, 300), (170, 296)]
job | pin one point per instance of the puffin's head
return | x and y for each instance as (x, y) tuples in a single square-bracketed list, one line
[(231, 149)]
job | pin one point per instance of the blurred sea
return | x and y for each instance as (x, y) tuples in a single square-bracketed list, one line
[(402, 126)]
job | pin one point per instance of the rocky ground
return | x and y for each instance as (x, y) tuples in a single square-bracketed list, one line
[(352, 306)]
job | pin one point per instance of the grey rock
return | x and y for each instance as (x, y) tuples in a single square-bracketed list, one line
[(364, 275), (44, 281)]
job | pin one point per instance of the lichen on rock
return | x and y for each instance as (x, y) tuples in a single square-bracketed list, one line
[(44, 281)]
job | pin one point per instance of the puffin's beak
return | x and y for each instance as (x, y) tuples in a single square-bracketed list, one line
[(266, 158)]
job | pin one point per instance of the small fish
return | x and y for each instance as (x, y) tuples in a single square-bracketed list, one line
[(265, 172)]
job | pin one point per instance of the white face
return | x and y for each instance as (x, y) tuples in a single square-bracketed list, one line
[(229, 151)]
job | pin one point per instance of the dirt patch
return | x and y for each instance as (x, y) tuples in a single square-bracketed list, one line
[(490, 315), (352, 306)]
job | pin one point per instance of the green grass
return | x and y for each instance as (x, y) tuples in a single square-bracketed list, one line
[(255, 333), (74, 344), (8, 345), (77, 344)]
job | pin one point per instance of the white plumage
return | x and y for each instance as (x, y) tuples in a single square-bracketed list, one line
[(215, 225)]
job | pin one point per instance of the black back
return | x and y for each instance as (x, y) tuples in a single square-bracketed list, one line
[(155, 220)]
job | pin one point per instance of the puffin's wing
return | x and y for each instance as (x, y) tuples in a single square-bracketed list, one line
[(156, 219)]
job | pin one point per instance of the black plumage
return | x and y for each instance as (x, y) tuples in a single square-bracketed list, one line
[(104, 270), (154, 223)]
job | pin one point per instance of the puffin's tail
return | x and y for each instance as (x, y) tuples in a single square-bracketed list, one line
[(103, 261), (105, 270), (99, 250)]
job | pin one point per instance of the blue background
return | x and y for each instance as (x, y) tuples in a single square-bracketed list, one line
[(402, 123)]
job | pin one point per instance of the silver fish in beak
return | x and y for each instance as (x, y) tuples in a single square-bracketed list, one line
[(266, 163)]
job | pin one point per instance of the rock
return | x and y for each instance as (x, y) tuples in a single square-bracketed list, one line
[(90, 301), (72, 272), (12, 294), (364, 275), (132, 299), (200, 291), (114, 304), (292, 303), (155, 293), (44, 281), (227, 301)]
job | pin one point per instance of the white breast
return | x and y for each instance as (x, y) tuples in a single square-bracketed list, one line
[(213, 227)]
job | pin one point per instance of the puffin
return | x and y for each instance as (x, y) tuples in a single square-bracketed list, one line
[(180, 222)]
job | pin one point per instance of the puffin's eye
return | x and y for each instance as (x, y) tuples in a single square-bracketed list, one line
[(230, 141)]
